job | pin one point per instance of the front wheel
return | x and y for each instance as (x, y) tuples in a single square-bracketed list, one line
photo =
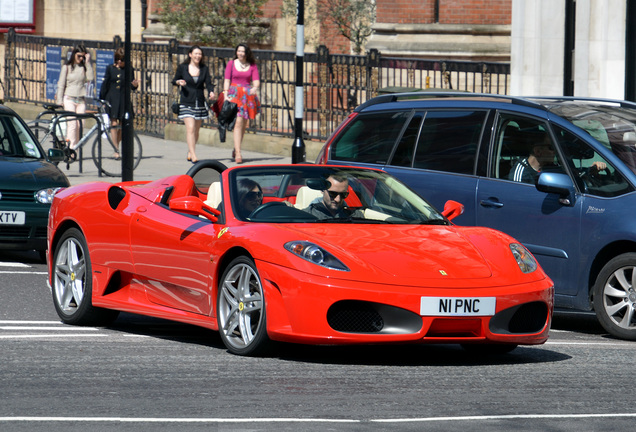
[(615, 296), (73, 284), (107, 157), (241, 309)]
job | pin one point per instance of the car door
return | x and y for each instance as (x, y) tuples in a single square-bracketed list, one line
[(546, 224), (172, 254)]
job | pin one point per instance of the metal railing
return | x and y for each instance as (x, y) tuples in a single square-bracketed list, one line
[(334, 83)]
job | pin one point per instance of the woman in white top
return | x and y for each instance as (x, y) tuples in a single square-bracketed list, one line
[(71, 88)]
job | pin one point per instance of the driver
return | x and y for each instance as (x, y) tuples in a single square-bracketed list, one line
[(333, 200), (542, 156), (250, 197)]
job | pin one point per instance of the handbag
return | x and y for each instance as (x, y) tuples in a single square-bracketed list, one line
[(175, 107)]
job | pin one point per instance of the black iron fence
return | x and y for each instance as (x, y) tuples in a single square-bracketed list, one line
[(334, 83)]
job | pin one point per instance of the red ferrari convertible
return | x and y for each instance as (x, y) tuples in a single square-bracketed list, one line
[(295, 253)]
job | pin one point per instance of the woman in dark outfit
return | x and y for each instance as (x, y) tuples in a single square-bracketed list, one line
[(112, 91), (192, 77)]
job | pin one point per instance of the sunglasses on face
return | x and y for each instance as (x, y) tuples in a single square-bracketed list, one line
[(81, 56), (334, 194), (254, 195)]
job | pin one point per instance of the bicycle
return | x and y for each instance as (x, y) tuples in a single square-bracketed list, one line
[(48, 130)]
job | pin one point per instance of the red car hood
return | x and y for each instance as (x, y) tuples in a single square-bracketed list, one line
[(404, 251)]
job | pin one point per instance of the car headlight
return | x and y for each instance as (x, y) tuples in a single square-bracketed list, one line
[(45, 196), (525, 260), (315, 254)]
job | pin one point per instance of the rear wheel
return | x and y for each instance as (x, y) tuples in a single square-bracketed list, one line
[(107, 157), (615, 296), (241, 309), (73, 285)]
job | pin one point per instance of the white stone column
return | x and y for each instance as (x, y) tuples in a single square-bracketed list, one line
[(538, 39), (599, 59), (537, 50)]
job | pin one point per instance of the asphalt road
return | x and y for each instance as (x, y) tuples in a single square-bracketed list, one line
[(146, 374)]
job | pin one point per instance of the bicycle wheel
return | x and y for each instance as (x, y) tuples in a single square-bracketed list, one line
[(107, 161)]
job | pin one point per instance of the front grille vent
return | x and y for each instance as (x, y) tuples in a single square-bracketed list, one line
[(14, 231), (529, 318), (354, 317), (17, 195)]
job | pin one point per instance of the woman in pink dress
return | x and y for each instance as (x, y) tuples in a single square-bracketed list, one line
[(241, 87)]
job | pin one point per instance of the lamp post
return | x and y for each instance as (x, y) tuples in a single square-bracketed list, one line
[(298, 147), (127, 155)]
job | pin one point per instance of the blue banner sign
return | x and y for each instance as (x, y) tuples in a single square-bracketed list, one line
[(103, 58), (53, 68)]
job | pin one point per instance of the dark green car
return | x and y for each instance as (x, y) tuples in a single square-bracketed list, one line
[(28, 181)]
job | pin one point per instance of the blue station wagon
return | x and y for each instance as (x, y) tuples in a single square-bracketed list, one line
[(556, 173)]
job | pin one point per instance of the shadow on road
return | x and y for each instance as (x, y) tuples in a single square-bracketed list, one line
[(580, 322), (415, 355)]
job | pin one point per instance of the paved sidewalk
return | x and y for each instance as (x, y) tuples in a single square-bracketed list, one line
[(161, 158)]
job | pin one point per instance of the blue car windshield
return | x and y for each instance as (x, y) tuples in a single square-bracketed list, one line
[(612, 125), (323, 194)]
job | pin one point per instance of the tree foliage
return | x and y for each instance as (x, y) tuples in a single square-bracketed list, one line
[(352, 18), (223, 23)]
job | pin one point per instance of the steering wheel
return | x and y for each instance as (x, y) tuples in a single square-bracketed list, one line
[(596, 179), (265, 206)]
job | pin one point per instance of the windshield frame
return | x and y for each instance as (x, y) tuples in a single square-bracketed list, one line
[(373, 196)]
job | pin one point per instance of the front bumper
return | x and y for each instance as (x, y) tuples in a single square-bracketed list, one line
[(305, 308), (31, 235)]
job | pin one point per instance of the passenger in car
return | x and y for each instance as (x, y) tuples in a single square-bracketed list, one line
[(332, 204), (250, 197)]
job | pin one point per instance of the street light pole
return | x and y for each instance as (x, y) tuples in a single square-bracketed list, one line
[(127, 154), (298, 147)]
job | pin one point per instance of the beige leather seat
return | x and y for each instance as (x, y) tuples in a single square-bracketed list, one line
[(305, 196), (215, 196)]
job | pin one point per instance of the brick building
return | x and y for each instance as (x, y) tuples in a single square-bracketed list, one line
[(460, 29), (442, 29)]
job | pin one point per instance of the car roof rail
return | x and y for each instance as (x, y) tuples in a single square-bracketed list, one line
[(622, 103), (395, 97)]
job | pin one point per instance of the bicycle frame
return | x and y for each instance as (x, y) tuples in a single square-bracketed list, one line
[(53, 130), (98, 127)]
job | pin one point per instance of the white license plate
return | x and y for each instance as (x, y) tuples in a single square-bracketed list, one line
[(458, 306), (12, 218)]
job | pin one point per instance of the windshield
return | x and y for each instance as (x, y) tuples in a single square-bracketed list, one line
[(15, 139), (319, 194), (611, 125)]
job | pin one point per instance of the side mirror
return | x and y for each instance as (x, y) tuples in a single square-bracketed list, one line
[(194, 206), (55, 155), (557, 183), (452, 209)]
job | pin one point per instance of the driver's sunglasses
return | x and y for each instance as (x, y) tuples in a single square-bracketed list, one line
[(334, 194), (254, 195)]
